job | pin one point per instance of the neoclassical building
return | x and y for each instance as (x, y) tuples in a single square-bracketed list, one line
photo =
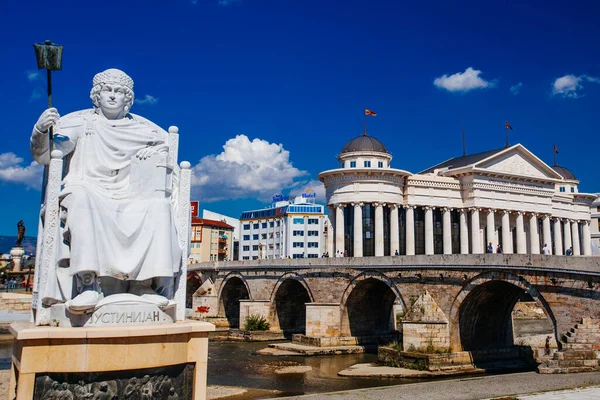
[(507, 196)]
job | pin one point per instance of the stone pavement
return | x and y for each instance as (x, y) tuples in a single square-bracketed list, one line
[(475, 388), (573, 394)]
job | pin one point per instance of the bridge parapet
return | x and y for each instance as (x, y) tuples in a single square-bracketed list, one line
[(576, 264)]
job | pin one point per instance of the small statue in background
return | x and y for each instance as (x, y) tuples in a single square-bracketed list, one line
[(20, 233)]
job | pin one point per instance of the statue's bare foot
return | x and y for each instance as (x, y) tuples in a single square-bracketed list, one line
[(84, 301)]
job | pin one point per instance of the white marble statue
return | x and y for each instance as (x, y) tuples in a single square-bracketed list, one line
[(118, 233)]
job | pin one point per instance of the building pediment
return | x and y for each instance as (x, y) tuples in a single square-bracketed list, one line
[(517, 160)]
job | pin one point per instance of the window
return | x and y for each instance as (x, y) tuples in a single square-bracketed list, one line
[(271, 235), (255, 236), (313, 233), (352, 164), (246, 248), (246, 237), (255, 226), (298, 256), (313, 256), (562, 189), (246, 227), (277, 234), (245, 258), (263, 236), (298, 233), (278, 223), (298, 220), (572, 190), (313, 221), (271, 224), (380, 164), (255, 247), (255, 257), (298, 244), (264, 225), (367, 164), (270, 245), (277, 246), (313, 244)]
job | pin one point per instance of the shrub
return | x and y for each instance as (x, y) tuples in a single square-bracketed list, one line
[(257, 322)]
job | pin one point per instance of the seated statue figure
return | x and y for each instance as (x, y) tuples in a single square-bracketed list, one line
[(116, 235)]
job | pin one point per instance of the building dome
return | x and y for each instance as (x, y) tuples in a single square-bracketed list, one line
[(364, 143), (564, 172)]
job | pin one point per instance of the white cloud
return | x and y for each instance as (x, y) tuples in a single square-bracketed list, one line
[(245, 169), (463, 82), (516, 88), (148, 99), (11, 171), (33, 75), (570, 86)]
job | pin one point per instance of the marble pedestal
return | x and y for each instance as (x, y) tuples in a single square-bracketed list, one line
[(16, 254), (161, 358)]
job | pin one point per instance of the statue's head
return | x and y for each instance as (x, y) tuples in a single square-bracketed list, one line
[(103, 387), (65, 385), (112, 93), (54, 385)]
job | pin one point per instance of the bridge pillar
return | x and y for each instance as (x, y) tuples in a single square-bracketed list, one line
[(534, 234), (394, 230), (587, 239), (339, 228), (558, 244), (323, 320), (464, 232), (253, 307), (428, 230), (410, 230), (447, 230), (358, 231), (507, 242), (547, 233), (378, 229), (475, 234), (521, 243), (575, 238)]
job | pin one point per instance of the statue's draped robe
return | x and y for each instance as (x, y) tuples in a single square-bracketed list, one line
[(108, 229)]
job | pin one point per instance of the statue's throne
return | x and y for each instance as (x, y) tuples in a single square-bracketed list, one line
[(169, 180)]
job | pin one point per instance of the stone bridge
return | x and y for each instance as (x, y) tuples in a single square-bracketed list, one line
[(454, 302)]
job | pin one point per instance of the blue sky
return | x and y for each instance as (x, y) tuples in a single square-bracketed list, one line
[(266, 92)]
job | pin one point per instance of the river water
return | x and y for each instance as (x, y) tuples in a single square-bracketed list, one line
[(237, 364)]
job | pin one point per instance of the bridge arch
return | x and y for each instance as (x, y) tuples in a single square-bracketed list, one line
[(288, 304), (481, 313), (369, 305), (233, 289), (193, 282)]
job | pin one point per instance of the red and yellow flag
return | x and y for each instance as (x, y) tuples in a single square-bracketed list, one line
[(371, 113), (508, 126), (555, 149)]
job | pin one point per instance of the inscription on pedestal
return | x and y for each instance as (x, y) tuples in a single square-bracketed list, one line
[(165, 383), (114, 315)]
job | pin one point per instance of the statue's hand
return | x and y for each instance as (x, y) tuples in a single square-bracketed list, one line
[(146, 152), (48, 118)]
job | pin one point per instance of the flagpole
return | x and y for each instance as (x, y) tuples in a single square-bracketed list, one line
[(506, 136), (365, 121), (555, 155)]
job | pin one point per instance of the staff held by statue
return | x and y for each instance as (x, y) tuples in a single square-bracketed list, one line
[(49, 57)]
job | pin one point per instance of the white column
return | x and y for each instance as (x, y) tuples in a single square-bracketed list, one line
[(507, 242), (558, 246), (521, 243), (491, 229), (464, 232), (475, 236), (567, 230), (587, 239), (378, 229), (429, 230), (358, 232), (410, 230), (330, 234), (394, 230), (534, 235), (447, 230), (575, 238), (339, 228), (547, 232)]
